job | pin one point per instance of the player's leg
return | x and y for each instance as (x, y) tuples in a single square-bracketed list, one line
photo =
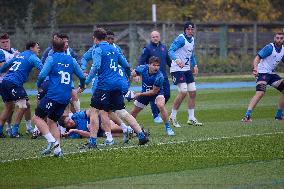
[(260, 91), (7, 112), (28, 117), (114, 117), (75, 100), (160, 101), (279, 85), (191, 105), (22, 107), (42, 110)]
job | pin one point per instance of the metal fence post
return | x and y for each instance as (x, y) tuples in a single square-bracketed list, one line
[(223, 40)]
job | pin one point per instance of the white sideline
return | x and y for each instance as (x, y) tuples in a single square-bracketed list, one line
[(162, 143)]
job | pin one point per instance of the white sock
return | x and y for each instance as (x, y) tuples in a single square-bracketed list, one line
[(191, 114), (76, 105), (57, 149), (8, 126), (49, 137), (109, 136), (123, 127), (35, 129), (174, 114), (28, 124)]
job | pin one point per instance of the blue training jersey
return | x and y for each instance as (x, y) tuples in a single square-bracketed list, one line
[(81, 121), (150, 80), (60, 67), (20, 67), (107, 64)]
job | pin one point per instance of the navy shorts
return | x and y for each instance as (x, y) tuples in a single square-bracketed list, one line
[(143, 101), (44, 87), (12, 92), (182, 77), (108, 100), (50, 108), (268, 78)]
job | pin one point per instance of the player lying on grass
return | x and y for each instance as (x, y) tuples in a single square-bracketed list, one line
[(77, 127)]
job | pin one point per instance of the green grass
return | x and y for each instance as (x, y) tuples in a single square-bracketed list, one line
[(224, 153)]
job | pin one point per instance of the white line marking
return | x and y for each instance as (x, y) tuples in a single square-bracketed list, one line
[(159, 144)]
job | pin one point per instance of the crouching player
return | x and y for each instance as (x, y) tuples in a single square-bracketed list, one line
[(152, 90), (59, 67)]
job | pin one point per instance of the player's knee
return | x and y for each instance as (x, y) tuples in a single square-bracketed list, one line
[(261, 87), (182, 87), (122, 113), (281, 86), (191, 87), (22, 103)]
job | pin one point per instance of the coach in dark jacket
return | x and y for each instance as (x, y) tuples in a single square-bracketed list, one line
[(156, 48)]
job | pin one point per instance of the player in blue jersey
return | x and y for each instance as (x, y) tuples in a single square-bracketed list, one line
[(182, 55), (264, 65), (152, 90), (46, 51), (11, 88), (60, 68), (77, 126), (156, 48), (108, 96), (6, 54)]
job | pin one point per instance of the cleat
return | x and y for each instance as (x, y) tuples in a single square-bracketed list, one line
[(247, 119), (15, 135), (174, 122), (158, 119), (108, 143), (170, 132), (279, 118), (126, 137), (36, 133), (50, 147), (9, 131), (2, 135), (88, 146), (143, 141), (146, 131), (29, 131), (194, 122), (58, 155)]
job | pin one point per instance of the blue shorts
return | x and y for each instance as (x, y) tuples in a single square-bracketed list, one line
[(50, 108), (108, 100), (12, 92), (182, 77), (143, 101), (268, 78)]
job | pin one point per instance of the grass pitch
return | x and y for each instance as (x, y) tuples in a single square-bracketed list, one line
[(224, 153)]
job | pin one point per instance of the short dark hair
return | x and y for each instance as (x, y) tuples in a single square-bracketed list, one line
[(100, 34), (153, 59), (30, 45), (61, 121), (58, 45), (63, 35), (55, 34), (109, 32), (279, 33), (187, 24), (4, 36)]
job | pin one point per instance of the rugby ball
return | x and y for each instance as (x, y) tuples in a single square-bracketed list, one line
[(129, 96)]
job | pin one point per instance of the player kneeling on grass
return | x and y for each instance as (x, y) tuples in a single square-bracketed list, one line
[(152, 90), (60, 68), (264, 66)]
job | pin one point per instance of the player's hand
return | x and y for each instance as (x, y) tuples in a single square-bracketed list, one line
[(80, 89), (254, 71), (179, 63), (86, 73), (16, 53), (137, 95), (137, 79), (195, 70)]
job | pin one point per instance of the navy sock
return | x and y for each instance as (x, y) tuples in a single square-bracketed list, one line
[(279, 113), (92, 140), (141, 135), (15, 129), (167, 125), (1, 129), (248, 113)]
